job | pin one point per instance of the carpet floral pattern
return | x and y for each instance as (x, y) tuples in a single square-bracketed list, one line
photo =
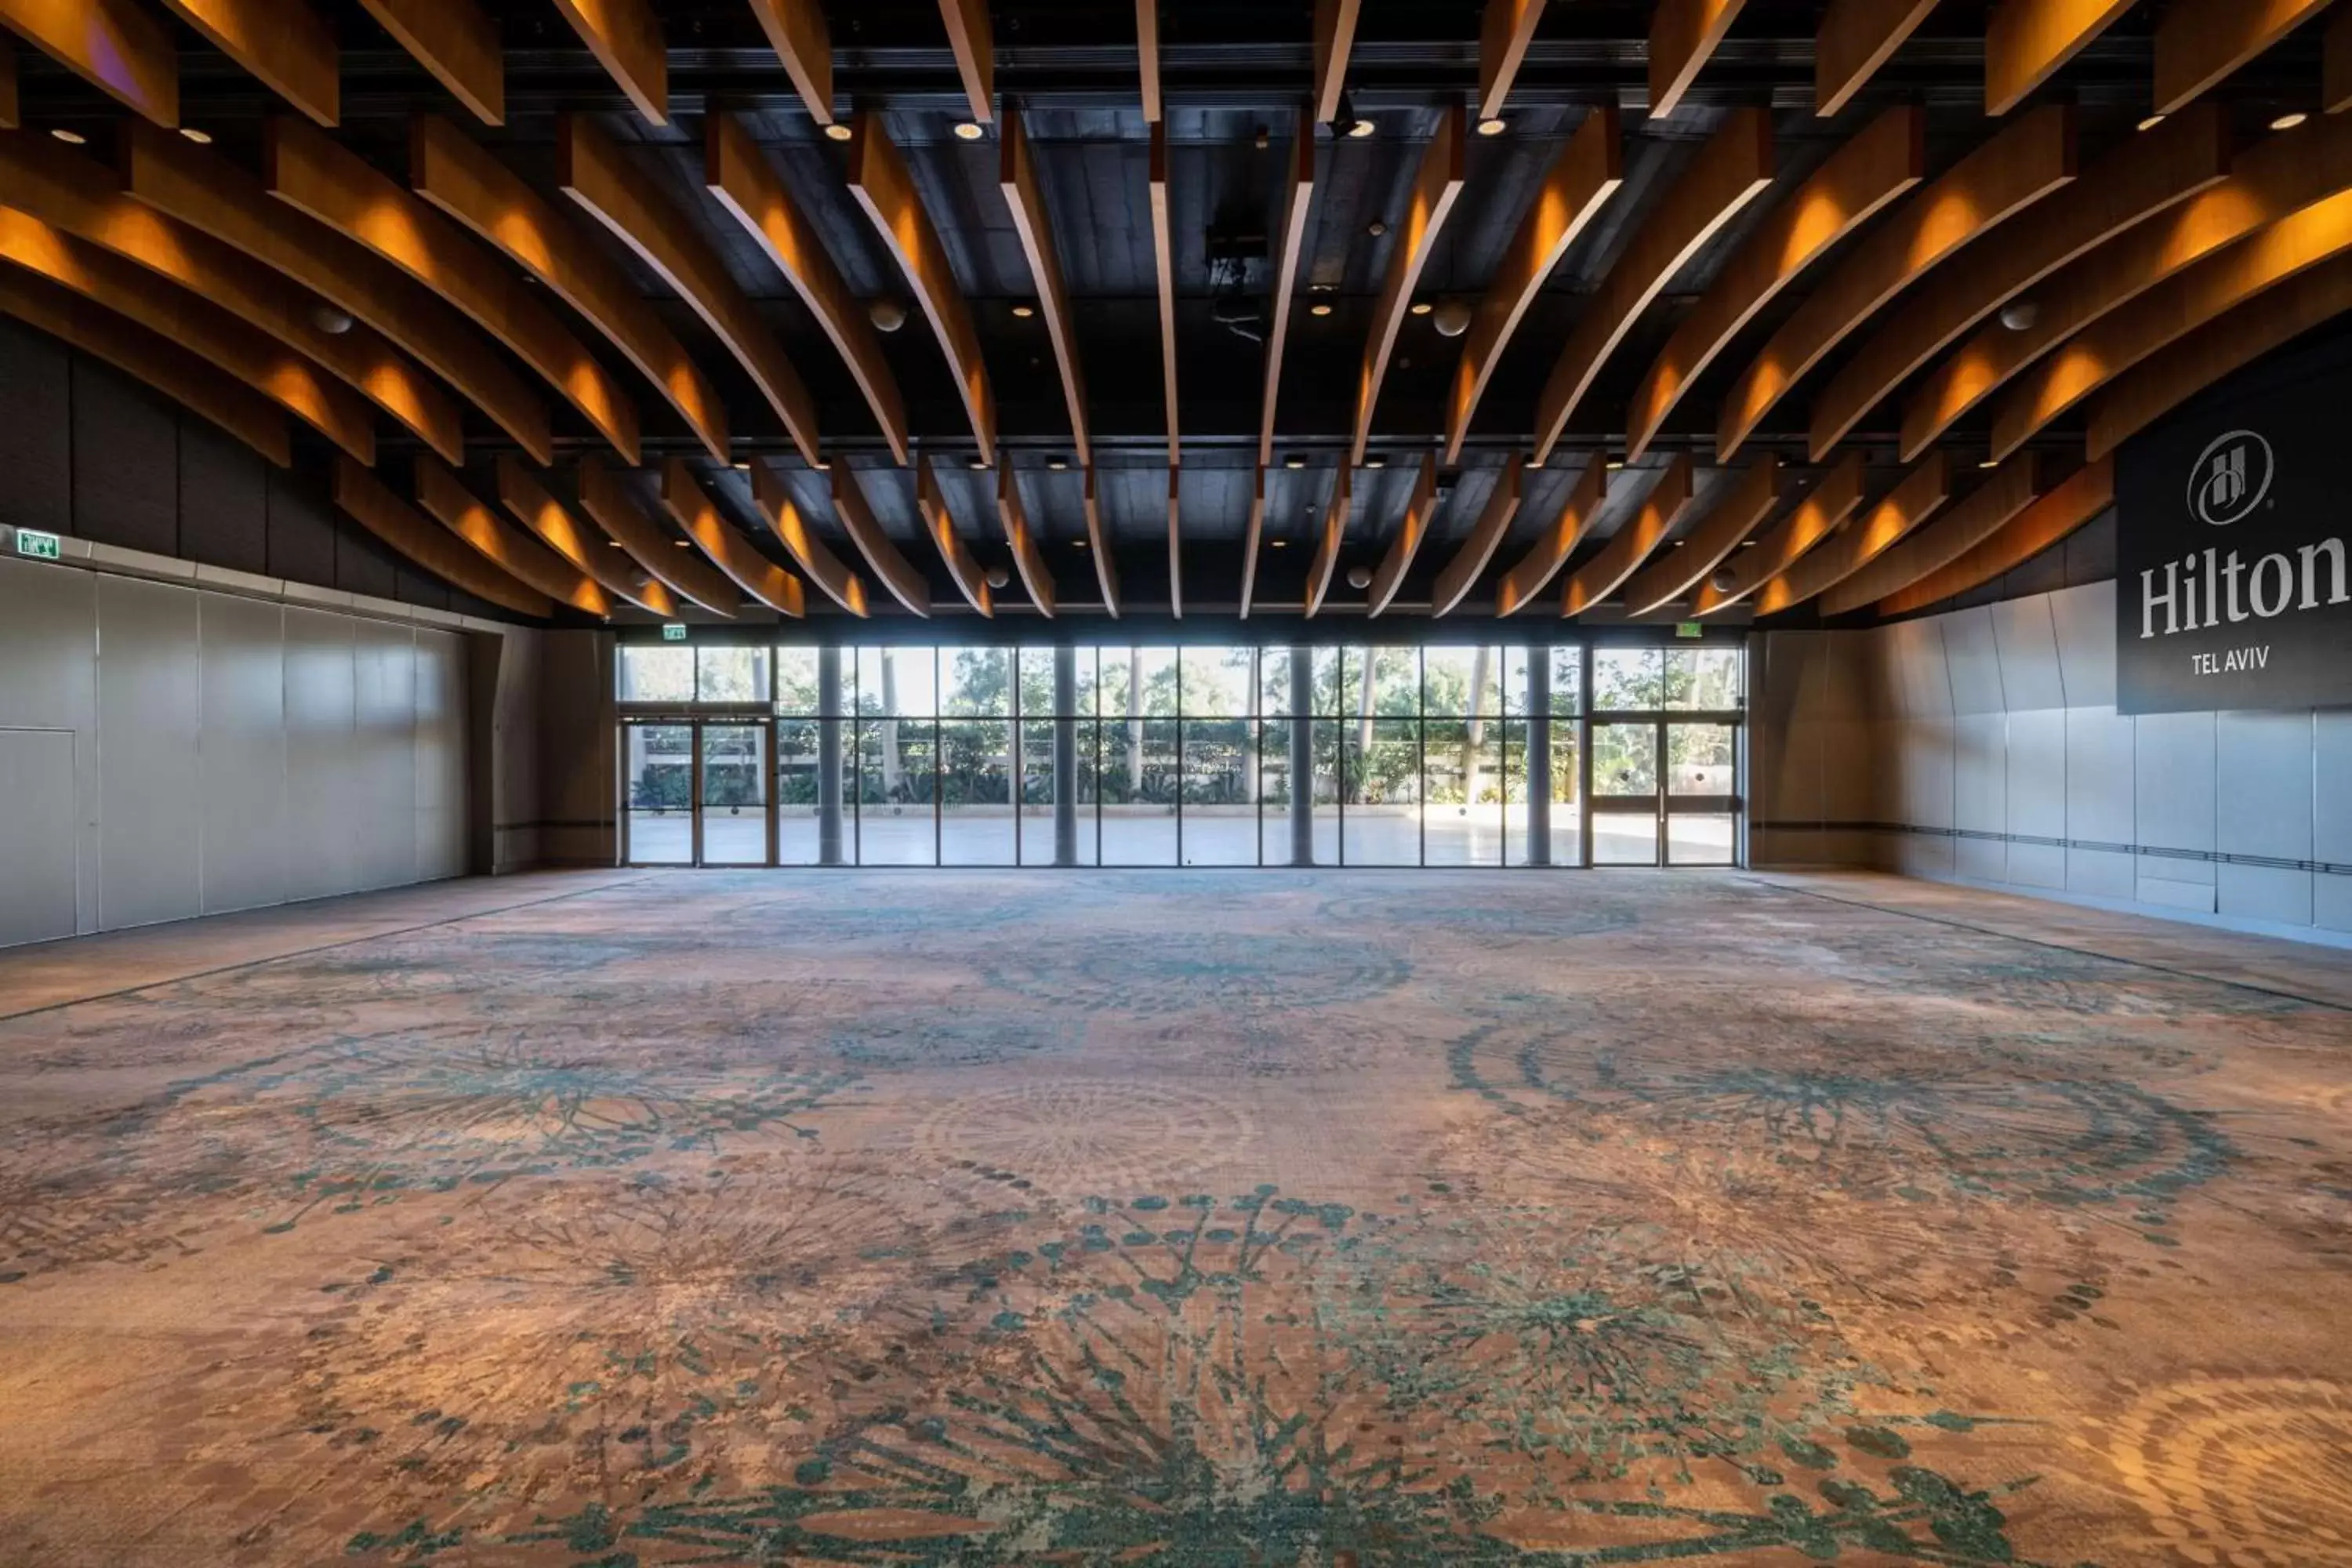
[(1319, 1220)]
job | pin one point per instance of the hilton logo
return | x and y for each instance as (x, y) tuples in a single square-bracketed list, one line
[(2232, 476), (2205, 590)]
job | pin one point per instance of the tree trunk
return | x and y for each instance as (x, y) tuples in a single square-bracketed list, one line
[(1474, 733), (1134, 722), (891, 770)]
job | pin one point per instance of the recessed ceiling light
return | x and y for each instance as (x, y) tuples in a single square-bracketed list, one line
[(743, 468), (1025, 311), (1320, 308), (1376, 228), (1059, 465), (1422, 307), (969, 130), (1989, 463), (1294, 461), (2152, 122), (1614, 466), (837, 131), (614, 542), (1279, 544), (2289, 122), (1493, 125), (1375, 460), (976, 463), (683, 543), (201, 138), (71, 138), (1079, 543), (1362, 128)]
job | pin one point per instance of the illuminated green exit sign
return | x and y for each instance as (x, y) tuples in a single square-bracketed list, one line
[(40, 546), (1689, 629), (673, 632)]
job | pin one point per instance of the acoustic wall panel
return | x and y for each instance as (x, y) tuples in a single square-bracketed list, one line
[(224, 499), (38, 836), (48, 646), (2028, 649), (439, 786), (36, 431), (150, 707), (126, 462), (2084, 623), (321, 756), (384, 783), (244, 778), (1972, 657)]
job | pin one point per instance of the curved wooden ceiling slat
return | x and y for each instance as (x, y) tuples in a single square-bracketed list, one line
[(458, 176), (973, 41), (1335, 40), (1856, 37), (896, 573), (11, 106), (206, 192), (931, 503), (690, 506), (282, 42), (2044, 523), (315, 175), (2335, 64), (616, 511), (1831, 501), (2229, 344), (1589, 170), (1882, 162), (738, 174), (1017, 178), (879, 179), (2198, 42), (1028, 562), (2149, 174), (1668, 501), (782, 513), (1253, 540), (1146, 56), (1539, 565), (1508, 27), (1730, 170), (149, 357), (1435, 188), (626, 36), (1950, 538), (76, 195), (445, 497), (2204, 293), (1411, 532), (1729, 522), (455, 42), (211, 333), (1163, 266), (2028, 41), (1683, 38), (1098, 539), (1289, 246), (523, 496), (2269, 181), (367, 500), (1460, 575), (116, 46), (595, 172), (796, 30), (1334, 529), (1920, 496), (2006, 175)]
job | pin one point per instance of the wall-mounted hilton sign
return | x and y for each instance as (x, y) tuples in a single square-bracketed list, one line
[(2234, 552)]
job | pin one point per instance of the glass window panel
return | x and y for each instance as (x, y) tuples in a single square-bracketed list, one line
[(1217, 682), (661, 794), (976, 682), (1339, 681), (734, 794), (1625, 839), (797, 781), (1701, 760), (1036, 666), (1701, 838), (976, 774), (1139, 803), (1466, 795), (1629, 679), (655, 673), (1567, 794), (731, 674), (1328, 740), (896, 773), (1515, 792), (1383, 816), (1624, 759), (897, 683), (1220, 789), (1090, 788), (1274, 681), (1139, 682), (1393, 683), (1037, 789), (1706, 680), (797, 690), (1566, 681), (1515, 679)]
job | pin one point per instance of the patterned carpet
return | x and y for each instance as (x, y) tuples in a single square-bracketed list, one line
[(1313, 1219)]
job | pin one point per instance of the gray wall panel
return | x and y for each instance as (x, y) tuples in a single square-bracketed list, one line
[(2084, 620), (149, 708), (1980, 772), (2263, 779), (38, 860), (2099, 804), (440, 788), (2101, 873), (2262, 893), (384, 658), (2029, 656), (48, 646), (1973, 659), (2172, 780), (2035, 775), (1926, 769), (2331, 902), (322, 755), (2331, 771), (244, 754)]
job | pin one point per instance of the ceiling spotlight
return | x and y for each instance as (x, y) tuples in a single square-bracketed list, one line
[(2289, 122), (683, 543), (1277, 543), (888, 314), (1450, 319), (1294, 461), (743, 468), (1022, 313), (2019, 315), (1422, 307), (71, 138), (331, 320), (976, 463), (998, 577), (1359, 577), (1078, 543), (1376, 228), (969, 130), (1362, 128), (1493, 125), (1724, 581), (1614, 466), (1348, 122), (614, 542), (1376, 461), (1989, 463), (1058, 465), (2152, 122), (1320, 308), (1264, 139), (201, 138), (837, 131)]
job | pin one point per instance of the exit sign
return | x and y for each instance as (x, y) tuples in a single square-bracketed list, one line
[(40, 546), (673, 632), (1689, 629)]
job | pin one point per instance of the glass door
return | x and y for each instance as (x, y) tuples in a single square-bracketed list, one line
[(658, 826), (1702, 797), (1626, 759), (731, 825)]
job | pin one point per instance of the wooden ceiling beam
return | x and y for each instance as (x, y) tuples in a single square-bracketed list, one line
[(1732, 169), (149, 357), (368, 502), (316, 175), (1508, 29), (1028, 561), (626, 36), (738, 174), (2146, 175), (12, 111), (1418, 513), (2198, 42), (2028, 41), (2270, 180), (1539, 565), (1253, 540), (445, 497), (2335, 63), (458, 176), (2004, 176), (1099, 544), (973, 41), (931, 502), (1831, 501), (1017, 178), (282, 42), (1683, 38), (797, 32), (1920, 495), (1435, 188), (1856, 37), (1327, 548), (1147, 58), (782, 512), (457, 43), (524, 497), (691, 508), (879, 179), (598, 175), (1896, 566), (1460, 575), (1636, 538), (609, 503), (2090, 492), (206, 192), (1335, 40), (1163, 266), (116, 46), (1671, 578), (2229, 344), (891, 568), (203, 329), (1881, 162), (1289, 246), (2216, 287), (1175, 544)]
